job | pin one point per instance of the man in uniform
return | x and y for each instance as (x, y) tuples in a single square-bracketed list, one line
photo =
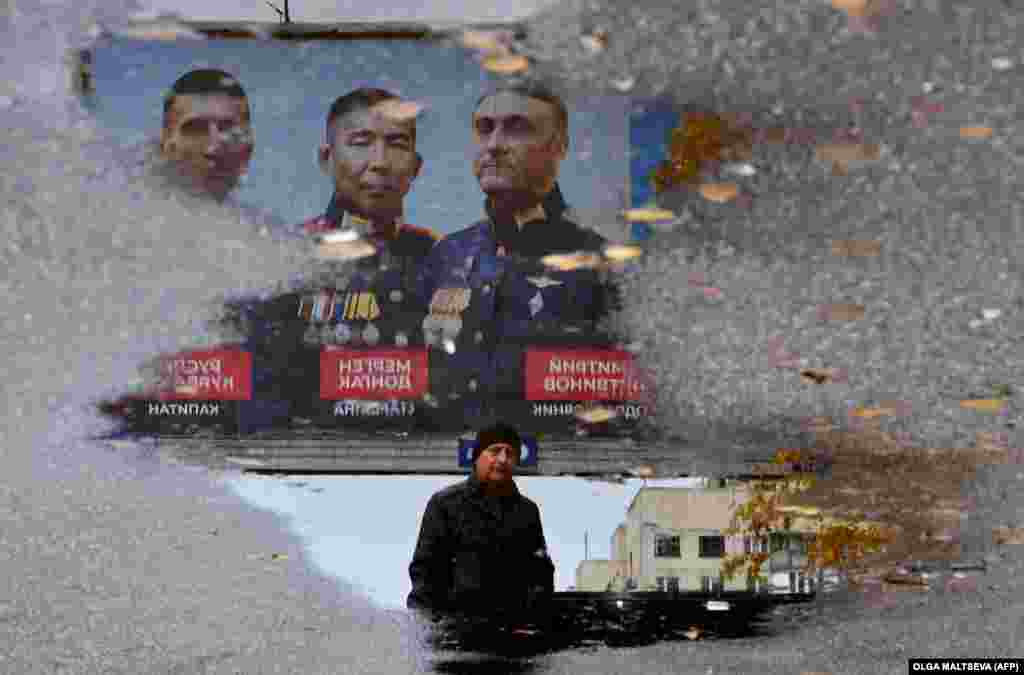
[(489, 290), (369, 151), (481, 547), (207, 135)]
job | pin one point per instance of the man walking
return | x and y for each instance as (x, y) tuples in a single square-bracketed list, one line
[(481, 546)]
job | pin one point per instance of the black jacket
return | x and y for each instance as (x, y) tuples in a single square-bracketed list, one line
[(480, 554)]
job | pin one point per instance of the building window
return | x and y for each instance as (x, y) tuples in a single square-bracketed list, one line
[(711, 584), (712, 547), (660, 583), (673, 584), (666, 546)]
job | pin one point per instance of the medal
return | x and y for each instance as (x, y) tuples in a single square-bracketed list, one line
[(342, 333), (449, 301), (370, 334), (544, 282), (327, 334), (361, 306), (431, 330), (401, 340), (451, 326), (396, 295)]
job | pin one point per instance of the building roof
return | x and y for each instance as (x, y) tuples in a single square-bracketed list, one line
[(686, 508)]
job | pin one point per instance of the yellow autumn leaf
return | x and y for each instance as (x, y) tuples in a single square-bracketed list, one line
[(648, 215), (622, 252), (719, 192), (984, 404), (506, 64), (345, 250), (398, 110), (975, 132), (844, 153)]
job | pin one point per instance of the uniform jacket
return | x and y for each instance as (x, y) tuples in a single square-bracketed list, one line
[(478, 552), (285, 333), (515, 300)]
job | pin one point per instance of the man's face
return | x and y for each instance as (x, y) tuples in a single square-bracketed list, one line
[(496, 463), (210, 138), (373, 162), (518, 145)]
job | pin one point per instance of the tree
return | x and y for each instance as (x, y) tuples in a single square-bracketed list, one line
[(771, 508)]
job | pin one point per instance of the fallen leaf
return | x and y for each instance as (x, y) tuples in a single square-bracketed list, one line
[(1002, 63), (622, 252), (1008, 535), (595, 42), (848, 152), (339, 237), (506, 64), (823, 375), (719, 192), (851, 6), (485, 41), (643, 471), (841, 312), (857, 247), (975, 132), (984, 404), (162, 30), (399, 111), (567, 262), (648, 215), (712, 293), (279, 556), (596, 415), (871, 413), (352, 250)]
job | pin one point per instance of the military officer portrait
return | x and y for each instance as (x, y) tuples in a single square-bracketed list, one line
[(490, 287), (206, 137), (369, 153)]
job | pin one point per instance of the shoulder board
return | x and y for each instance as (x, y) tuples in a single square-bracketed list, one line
[(421, 231), (317, 225)]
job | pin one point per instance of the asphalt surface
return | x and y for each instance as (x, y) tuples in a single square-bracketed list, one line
[(118, 562)]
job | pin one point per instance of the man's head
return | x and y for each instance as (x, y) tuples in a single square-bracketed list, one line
[(521, 135), (206, 130), (496, 454), (370, 152)]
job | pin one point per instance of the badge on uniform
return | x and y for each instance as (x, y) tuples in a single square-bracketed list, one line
[(445, 318), (544, 282), (317, 306), (358, 306), (449, 301)]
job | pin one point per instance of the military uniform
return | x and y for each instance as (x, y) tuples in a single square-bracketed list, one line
[(490, 296), (480, 553), (379, 307)]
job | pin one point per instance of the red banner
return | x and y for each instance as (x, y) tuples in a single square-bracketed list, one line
[(583, 375), (206, 375), (373, 374)]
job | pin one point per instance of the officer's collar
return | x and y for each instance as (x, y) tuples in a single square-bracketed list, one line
[(549, 209), (346, 220)]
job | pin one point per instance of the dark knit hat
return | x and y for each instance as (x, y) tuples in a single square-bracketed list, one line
[(496, 433)]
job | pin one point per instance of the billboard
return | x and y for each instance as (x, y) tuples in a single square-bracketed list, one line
[(468, 227)]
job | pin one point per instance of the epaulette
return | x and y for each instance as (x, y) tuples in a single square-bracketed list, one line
[(425, 231), (317, 225)]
